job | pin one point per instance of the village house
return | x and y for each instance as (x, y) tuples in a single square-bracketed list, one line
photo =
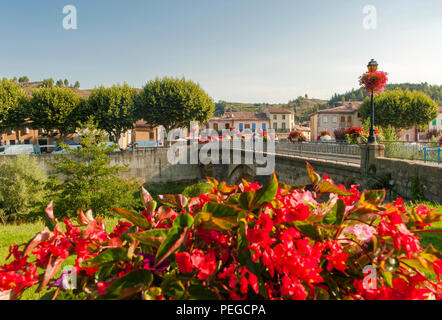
[(240, 120), (341, 117), (281, 120)]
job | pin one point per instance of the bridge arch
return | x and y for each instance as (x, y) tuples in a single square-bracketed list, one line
[(240, 172)]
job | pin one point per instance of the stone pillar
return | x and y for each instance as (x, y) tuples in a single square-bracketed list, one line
[(369, 153)]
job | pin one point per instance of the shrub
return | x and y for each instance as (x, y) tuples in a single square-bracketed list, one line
[(239, 242), (325, 133), (339, 134), (84, 179), (21, 187)]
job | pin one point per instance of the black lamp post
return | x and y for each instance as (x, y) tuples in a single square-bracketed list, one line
[(372, 66)]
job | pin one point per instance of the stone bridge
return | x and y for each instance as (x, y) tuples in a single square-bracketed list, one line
[(370, 170)]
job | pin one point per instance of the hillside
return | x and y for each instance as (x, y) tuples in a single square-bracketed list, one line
[(433, 91), (31, 86)]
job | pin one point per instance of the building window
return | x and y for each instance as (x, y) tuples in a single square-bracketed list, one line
[(227, 126), (151, 135), (335, 119), (342, 119), (247, 126), (349, 119), (283, 125), (11, 142), (275, 125), (275, 117), (324, 120), (27, 141), (283, 117)]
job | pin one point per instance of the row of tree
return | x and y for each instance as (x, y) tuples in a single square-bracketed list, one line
[(60, 83), (170, 102)]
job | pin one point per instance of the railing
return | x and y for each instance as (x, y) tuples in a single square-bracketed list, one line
[(409, 150), (341, 148)]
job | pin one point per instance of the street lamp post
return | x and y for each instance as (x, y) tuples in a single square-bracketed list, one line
[(372, 66)]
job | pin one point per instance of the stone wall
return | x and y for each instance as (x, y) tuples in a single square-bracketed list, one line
[(403, 172)]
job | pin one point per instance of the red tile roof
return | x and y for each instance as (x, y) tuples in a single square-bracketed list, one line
[(279, 110)]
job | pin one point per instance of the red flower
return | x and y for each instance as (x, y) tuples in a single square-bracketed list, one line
[(184, 263)]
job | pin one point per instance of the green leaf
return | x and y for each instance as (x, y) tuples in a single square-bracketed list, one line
[(129, 284), (375, 197), (308, 229), (314, 177), (135, 218), (336, 214), (175, 238), (219, 210), (267, 193), (184, 220), (108, 256), (209, 222), (252, 199), (153, 238), (327, 187), (200, 292), (174, 289), (388, 277)]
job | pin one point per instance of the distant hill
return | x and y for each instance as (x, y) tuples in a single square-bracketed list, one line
[(31, 86)]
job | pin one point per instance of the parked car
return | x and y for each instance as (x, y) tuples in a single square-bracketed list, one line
[(60, 150), (20, 149), (146, 144)]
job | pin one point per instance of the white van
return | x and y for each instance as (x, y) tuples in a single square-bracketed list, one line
[(15, 149)]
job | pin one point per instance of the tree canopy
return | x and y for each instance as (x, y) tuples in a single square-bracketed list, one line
[(12, 101), (401, 109), (173, 103), (113, 109), (55, 109)]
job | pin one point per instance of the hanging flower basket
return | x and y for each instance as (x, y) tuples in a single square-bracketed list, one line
[(296, 136), (354, 134), (373, 81)]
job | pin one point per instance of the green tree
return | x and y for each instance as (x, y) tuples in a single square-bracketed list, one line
[(12, 105), (77, 85), (66, 82), (48, 83), (401, 109), (56, 109), (59, 83), (173, 103), (22, 191), (113, 109), (89, 181), (23, 79)]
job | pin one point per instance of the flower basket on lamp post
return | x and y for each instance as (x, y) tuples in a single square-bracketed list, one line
[(373, 82)]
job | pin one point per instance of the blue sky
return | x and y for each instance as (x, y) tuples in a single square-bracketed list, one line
[(238, 50)]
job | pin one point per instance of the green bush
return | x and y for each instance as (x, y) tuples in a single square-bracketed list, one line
[(22, 183), (84, 179)]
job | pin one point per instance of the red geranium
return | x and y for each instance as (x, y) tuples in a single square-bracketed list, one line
[(373, 81)]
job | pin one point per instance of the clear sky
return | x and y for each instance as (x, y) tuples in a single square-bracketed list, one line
[(238, 50)]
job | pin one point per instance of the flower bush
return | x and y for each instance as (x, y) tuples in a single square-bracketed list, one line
[(325, 133), (373, 81), (296, 136), (353, 134), (238, 242)]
